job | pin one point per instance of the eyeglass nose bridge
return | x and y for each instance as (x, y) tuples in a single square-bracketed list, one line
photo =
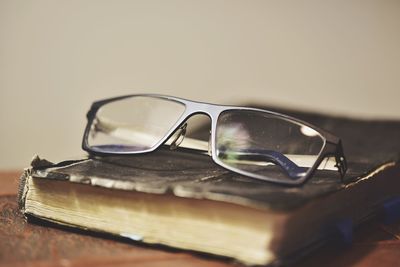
[(179, 138), (211, 110)]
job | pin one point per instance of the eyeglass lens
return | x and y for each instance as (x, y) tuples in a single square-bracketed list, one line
[(266, 145), (133, 124)]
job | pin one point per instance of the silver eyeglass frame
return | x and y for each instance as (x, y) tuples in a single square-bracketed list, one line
[(332, 145)]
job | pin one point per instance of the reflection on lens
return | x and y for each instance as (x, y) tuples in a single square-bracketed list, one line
[(266, 146), (133, 124), (307, 131), (233, 137)]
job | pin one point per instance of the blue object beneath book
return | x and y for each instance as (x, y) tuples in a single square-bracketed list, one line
[(344, 228), (392, 210)]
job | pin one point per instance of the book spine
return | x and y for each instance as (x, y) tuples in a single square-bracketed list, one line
[(23, 189)]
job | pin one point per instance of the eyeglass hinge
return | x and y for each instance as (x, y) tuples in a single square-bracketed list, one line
[(341, 162)]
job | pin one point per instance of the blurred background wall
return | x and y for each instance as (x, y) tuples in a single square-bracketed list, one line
[(56, 57)]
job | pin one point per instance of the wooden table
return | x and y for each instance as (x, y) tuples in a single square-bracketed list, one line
[(42, 244)]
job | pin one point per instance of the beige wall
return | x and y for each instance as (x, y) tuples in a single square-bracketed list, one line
[(56, 57)]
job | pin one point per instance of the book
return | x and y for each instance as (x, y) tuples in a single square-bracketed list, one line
[(184, 200)]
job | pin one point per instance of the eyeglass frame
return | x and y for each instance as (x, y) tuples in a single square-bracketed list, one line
[(332, 145)]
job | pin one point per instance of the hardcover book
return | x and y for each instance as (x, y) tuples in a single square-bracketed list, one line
[(184, 200)]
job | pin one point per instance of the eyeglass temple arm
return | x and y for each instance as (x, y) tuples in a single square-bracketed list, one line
[(292, 169)]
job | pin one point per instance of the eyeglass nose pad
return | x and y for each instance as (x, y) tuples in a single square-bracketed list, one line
[(209, 152), (179, 136)]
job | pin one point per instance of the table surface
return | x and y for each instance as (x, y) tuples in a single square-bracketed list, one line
[(41, 244)]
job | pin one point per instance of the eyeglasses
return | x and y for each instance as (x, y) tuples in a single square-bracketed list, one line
[(257, 143)]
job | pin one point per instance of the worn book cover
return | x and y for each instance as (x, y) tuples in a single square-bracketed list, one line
[(183, 200)]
